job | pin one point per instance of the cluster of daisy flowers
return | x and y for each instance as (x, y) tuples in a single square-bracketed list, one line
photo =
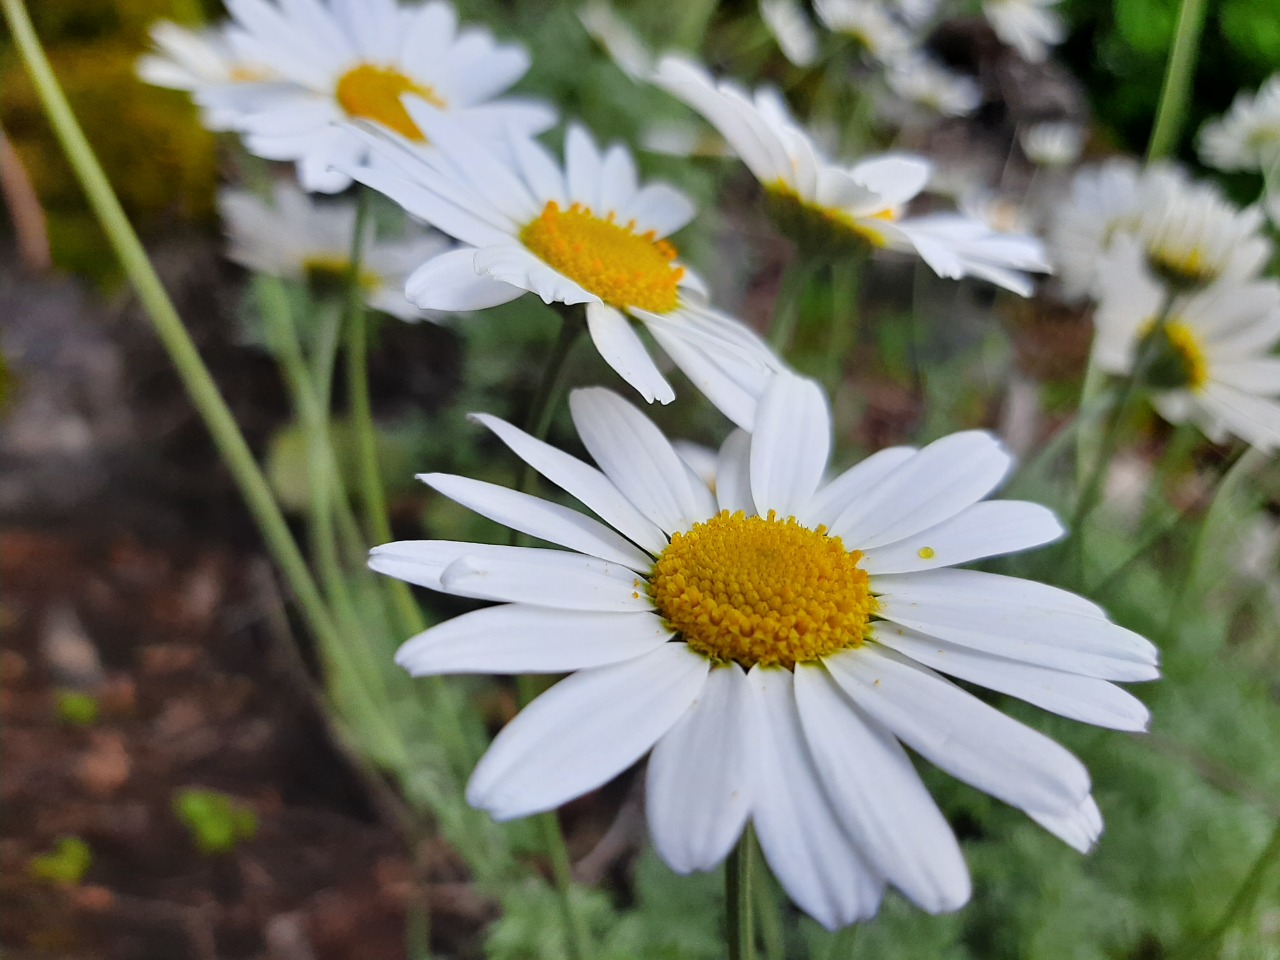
[(774, 638)]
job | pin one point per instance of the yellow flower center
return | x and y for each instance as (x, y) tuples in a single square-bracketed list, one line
[(762, 590), (621, 267), (823, 229), (1182, 267), (1177, 360), (369, 92), (329, 273)]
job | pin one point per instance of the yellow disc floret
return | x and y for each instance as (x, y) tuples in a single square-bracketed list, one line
[(762, 590), (621, 267), (370, 92)]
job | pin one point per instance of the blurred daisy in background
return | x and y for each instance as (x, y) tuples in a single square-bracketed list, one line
[(920, 80), (1052, 144), (1209, 355), (774, 644), (830, 209), (583, 233), (354, 60), (1029, 26), (870, 23), (298, 237), (1247, 137), (792, 29), (195, 61)]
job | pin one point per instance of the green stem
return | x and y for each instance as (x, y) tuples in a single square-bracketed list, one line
[(739, 931), (846, 277), (1241, 904), (1087, 436), (1171, 111), (786, 306), (542, 408), (168, 325)]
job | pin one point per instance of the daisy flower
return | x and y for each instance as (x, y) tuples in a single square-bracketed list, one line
[(868, 22), (1247, 137), (1209, 354), (299, 238), (792, 29), (354, 60), (831, 209), (1052, 144), (1029, 26), (921, 80), (774, 644), (586, 233), (195, 61)]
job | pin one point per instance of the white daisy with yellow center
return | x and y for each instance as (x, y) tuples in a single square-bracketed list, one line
[(1209, 356), (195, 61), (299, 237), (774, 644), (337, 60), (1029, 26), (831, 209), (586, 233), (1246, 137)]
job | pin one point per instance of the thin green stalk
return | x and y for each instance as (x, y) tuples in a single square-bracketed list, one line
[(739, 929), (767, 915), (786, 306), (846, 280), (1086, 436), (1244, 901), (542, 408), (1215, 517), (1172, 109), (168, 325)]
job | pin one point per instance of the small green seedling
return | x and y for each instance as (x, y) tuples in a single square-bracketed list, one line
[(217, 822), (66, 864)]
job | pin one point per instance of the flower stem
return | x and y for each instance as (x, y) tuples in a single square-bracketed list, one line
[(542, 409), (786, 306), (1172, 108), (846, 277), (739, 932), (168, 325)]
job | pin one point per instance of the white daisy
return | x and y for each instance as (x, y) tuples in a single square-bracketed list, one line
[(300, 238), (1052, 144), (919, 79), (774, 645), (1247, 137), (1029, 26), (587, 233), (354, 59), (832, 209), (870, 23), (195, 61), (1209, 354), (1104, 201), (792, 29)]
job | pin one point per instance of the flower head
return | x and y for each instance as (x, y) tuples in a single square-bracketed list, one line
[(299, 237), (196, 61), (586, 233), (870, 23), (340, 60), (1208, 354), (832, 209), (1247, 137), (1029, 26), (921, 80), (774, 645)]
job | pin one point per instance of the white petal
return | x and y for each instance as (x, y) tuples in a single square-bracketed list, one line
[(998, 617), (709, 375), (789, 445), (518, 638), (540, 170), (938, 482), (1086, 699), (800, 832), (582, 167), (623, 350), (426, 196), (848, 488), (584, 482), (1080, 828), (584, 731), (546, 578), (539, 518), (733, 474), (960, 734), (450, 282), (635, 455), (988, 529), (701, 774), (660, 208), (617, 181), (515, 264), (879, 796), (421, 562)]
